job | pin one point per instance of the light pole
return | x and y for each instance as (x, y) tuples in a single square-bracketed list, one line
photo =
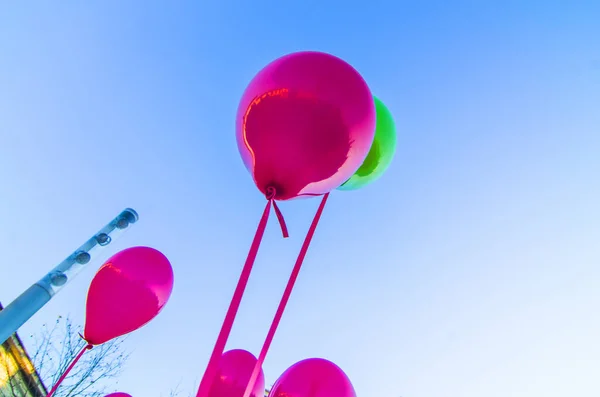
[(35, 297)]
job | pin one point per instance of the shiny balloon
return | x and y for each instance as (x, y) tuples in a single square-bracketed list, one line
[(381, 153), (118, 395), (313, 377), (235, 369), (304, 125), (128, 291)]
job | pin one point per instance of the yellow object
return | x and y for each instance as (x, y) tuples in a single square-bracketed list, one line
[(18, 377)]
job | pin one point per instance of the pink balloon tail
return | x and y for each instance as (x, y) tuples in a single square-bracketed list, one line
[(285, 298), (279, 215), (69, 368), (213, 363), (271, 192)]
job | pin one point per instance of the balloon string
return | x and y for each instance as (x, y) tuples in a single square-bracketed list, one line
[(270, 193), (284, 229), (88, 346), (284, 299), (213, 363)]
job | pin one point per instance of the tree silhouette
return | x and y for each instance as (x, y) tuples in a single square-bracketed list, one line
[(57, 345)]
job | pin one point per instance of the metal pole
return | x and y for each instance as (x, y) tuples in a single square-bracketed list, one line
[(35, 297)]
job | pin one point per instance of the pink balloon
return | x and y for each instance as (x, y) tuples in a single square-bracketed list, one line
[(119, 394), (233, 375), (128, 291), (313, 377), (304, 125)]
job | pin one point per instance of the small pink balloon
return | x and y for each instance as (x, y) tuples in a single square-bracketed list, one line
[(119, 394), (128, 291), (235, 369), (313, 377)]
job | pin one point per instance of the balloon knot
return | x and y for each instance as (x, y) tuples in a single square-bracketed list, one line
[(270, 194), (89, 346)]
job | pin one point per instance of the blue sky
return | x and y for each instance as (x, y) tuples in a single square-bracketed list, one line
[(469, 269)]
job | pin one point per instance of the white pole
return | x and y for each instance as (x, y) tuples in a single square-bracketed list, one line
[(35, 297)]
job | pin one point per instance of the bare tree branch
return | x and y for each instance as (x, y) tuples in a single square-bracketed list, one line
[(57, 346)]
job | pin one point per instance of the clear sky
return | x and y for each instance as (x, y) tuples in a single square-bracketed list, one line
[(472, 268)]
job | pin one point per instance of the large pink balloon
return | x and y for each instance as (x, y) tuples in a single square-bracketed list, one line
[(128, 291), (118, 395), (305, 124), (233, 375), (313, 377)]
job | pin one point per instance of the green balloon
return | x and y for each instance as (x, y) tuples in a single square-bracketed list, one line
[(381, 153)]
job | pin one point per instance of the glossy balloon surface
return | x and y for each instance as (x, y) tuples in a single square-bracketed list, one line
[(128, 291), (381, 153), (233, 375), (305, 124), (314, 377), (118, 395)]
